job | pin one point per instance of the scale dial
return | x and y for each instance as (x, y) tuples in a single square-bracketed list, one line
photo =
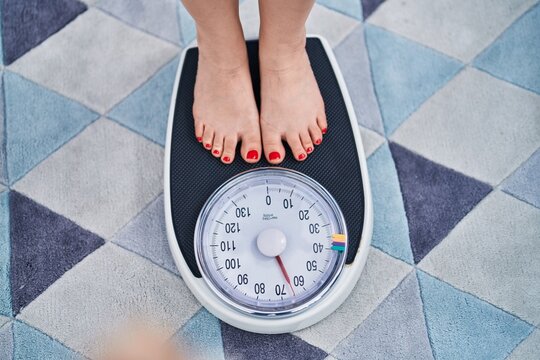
[(270, 242)]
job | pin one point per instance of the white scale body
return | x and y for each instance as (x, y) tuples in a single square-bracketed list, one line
[(271, 243)]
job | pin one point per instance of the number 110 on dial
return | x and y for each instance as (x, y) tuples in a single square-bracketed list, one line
[(270, 241)]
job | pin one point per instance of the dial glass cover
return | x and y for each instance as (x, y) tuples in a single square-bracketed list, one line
[(270, 241)]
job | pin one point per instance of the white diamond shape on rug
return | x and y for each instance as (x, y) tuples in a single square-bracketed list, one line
[(96, 60), (477, 125), (105, 290), (38, 122), (494, 254), (380, 276), (101, 179), (460, 29), (405, 74), (395, 330), (461, 326)]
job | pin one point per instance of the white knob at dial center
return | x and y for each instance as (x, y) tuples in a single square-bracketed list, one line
[(271, 242)]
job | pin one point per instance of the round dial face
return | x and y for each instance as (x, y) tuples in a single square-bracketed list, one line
[(270, 241)]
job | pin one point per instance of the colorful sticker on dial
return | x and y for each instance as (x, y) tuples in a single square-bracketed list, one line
[(338, 242)]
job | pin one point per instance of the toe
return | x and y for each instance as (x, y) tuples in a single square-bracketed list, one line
[(199, 130), (296, 147), (273, 147), (305, 138), (251, 147), (321, 121), (208, 137), (229, 149), (316, 134), (217, 147)]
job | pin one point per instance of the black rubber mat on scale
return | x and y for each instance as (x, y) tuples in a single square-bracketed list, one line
[(195, 173)]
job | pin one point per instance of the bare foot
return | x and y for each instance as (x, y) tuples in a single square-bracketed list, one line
[(292, 108), (224, 107)]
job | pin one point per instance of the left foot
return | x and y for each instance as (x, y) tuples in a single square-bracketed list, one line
[(292, 108)]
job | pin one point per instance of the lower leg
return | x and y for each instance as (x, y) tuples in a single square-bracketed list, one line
[(224, 107), (292, 108), (283, 31)]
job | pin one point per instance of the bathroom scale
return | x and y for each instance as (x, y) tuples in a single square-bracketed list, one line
[(269, 249)]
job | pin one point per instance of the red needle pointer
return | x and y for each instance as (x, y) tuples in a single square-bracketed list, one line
[(284, 272)]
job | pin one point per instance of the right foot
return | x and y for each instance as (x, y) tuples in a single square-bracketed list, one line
[(224, 106)]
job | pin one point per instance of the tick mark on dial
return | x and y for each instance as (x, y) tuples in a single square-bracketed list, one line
[(213, 245), (226, 212), (220, 268), (244, 195), (321, 271), (325, 225), (235, 286), (234, 203), (312, 205), (219, 222)]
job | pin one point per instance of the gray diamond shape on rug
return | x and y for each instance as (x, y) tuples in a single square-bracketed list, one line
[(44, 245), (436, 198)]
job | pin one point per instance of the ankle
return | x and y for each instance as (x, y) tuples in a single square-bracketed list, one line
[(223, 51), (280, 53)]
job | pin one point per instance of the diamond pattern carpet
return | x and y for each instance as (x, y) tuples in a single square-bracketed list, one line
[(448, 101)]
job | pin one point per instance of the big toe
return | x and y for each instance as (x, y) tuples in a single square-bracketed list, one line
[(273, 147), (251, 147)]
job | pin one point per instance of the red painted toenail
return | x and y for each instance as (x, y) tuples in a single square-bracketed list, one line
[(252, 155), (301, 156), (215, 152), (274, 155), (318, 141), (324, 130), (199, 139), (208, 146), (226, 159), (309, 150)]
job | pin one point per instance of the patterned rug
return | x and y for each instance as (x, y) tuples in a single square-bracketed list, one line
[(447, 94)]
